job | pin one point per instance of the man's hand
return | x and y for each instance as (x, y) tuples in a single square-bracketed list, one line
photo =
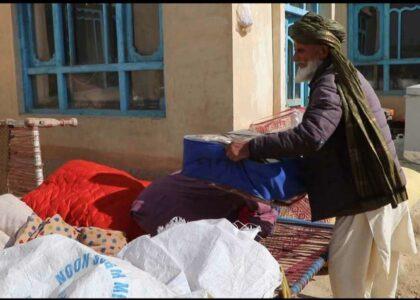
[(237, 150)]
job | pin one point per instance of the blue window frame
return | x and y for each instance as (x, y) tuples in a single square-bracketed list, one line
[(92, 58), (384, 44), (296, 93)]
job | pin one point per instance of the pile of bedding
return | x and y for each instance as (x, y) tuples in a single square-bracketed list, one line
[(94, 231), (194, 199), (207, 258), (87, 194), (108, 242)]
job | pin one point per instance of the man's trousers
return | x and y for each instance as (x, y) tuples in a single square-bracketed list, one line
[(364, 252)]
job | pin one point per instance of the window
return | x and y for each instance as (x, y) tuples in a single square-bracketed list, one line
[(384, 44), (296, 93), (92, 58)]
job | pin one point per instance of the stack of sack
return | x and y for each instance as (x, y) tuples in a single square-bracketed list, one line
[(207, 258)]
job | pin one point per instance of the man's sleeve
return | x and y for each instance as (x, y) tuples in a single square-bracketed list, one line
[(319, 122)]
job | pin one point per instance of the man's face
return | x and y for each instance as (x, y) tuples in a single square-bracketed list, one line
[(305, 53), (308, 58)]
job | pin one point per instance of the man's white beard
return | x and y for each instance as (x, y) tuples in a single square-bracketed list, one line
[(308, 72)]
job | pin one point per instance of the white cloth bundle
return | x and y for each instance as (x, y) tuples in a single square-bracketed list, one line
[(244, 15), (210, 255), (207, 258)]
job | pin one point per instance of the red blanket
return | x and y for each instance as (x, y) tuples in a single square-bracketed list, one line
[(89, 194)]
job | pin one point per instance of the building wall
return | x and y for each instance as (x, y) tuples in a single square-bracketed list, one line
[(252, 68), (279, 57), (216, 80), (8, 91), (198, 90), (327, 10)]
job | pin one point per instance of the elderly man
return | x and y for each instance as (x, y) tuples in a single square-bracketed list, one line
[(350, 164)]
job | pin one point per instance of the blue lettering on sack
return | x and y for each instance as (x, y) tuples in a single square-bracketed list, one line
[(77, 265), (108, 265), (120, 289), (72, 268), (61, 278), (85, 260), (98, 260), (117, 273), (69, 271)]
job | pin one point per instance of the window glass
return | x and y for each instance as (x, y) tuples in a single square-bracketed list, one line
[(311, 7), (146, 27), (112, 34), (289, 79), (374, 74), (147, 89), (402, 5), (97, 90), (91, 46), (297, 86), (88, 33), (300, 5), (403, 76), (368, 31), (410, 36), (87, 25), (45, 91), (44, 30), (393, 35)]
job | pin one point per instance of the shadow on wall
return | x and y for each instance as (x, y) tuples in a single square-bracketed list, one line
[(144, 168)]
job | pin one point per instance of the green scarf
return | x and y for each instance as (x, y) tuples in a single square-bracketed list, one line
[(373, 168)]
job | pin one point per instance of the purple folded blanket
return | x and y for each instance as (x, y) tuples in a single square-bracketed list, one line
[(195, 199)]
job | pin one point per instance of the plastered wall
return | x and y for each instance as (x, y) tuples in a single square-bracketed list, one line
[(253, 68), (8, 90)]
